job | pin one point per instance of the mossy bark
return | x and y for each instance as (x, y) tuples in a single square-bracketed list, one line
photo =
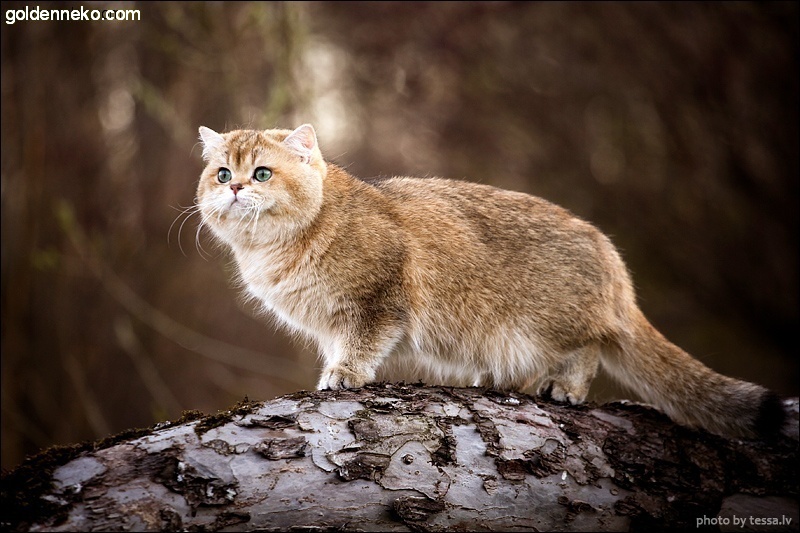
[(404, 457)]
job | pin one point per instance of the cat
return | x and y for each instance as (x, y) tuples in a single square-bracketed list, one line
[(453, 282)]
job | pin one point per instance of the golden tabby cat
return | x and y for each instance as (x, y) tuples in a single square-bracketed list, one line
[(452, 282)]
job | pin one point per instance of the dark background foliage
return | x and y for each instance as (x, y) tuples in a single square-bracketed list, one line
[(672, 126)]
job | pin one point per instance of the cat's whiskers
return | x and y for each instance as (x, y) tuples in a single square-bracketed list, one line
[(247, 219), (256, 211), (199, 247), (180, 229), (185, 213), (239, 219), (207, 211)]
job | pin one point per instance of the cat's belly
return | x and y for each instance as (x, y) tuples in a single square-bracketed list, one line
[(504, 358)]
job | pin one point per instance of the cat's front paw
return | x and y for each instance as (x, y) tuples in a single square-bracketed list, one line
[(341, 378)]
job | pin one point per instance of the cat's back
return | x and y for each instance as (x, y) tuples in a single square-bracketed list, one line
[(495, 218), (438, 192)]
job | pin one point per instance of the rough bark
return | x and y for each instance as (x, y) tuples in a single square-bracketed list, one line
[(405, 457)]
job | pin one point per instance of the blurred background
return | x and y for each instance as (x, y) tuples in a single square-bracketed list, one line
[(672, 126)]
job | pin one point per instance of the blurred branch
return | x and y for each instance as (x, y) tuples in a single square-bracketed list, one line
[(91, 406), (244, 359), (286, 93), (148, 372), (161, 110)]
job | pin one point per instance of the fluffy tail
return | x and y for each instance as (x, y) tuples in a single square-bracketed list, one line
[(688, 391)]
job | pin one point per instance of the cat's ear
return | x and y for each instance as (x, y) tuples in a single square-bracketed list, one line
[(302, 141), (212, 142)]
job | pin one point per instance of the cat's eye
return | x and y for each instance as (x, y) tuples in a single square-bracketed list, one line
[(224, 175), (262, 174)]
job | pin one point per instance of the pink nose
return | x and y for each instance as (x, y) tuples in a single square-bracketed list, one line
[(236, 187)]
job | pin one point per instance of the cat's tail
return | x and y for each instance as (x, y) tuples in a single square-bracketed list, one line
[(688, 391)]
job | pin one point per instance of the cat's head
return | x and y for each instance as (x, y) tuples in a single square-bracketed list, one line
[(260, 184)]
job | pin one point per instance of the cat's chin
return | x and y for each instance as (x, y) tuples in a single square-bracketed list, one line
[(239, 205), (246, 208)]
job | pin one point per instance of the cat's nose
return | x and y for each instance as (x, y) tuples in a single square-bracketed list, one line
[(236, 187)]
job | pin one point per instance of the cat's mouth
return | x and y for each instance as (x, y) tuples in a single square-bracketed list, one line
[(240, 202), (242, 205)]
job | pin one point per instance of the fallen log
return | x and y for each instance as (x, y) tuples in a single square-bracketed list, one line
[(398, 457)]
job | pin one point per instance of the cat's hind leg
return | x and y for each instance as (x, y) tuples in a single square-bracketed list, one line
[(570, 380)]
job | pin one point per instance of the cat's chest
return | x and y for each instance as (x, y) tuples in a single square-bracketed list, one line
[(270, 275), (285, 284)]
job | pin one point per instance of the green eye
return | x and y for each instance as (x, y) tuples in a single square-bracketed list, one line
[(262, 174), (224, 175)]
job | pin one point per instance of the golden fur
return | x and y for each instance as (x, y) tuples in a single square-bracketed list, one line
[(451, 282)]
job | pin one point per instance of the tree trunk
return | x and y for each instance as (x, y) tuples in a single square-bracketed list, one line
[(402, 457)]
